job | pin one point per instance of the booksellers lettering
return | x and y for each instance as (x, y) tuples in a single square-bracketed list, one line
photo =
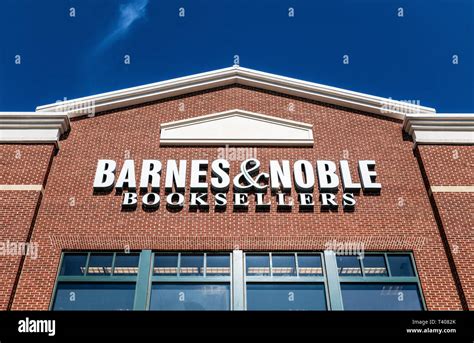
[(281, 183)]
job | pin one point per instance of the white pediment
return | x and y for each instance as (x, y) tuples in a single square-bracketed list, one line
[(231, 76), (237, 127)]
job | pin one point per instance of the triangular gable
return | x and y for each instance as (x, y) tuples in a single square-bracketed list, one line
[(236, 127), (234, 75)]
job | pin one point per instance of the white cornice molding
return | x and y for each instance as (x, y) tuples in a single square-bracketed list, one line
[(33, 127), (236, 127), (440, 128), (234, 75)]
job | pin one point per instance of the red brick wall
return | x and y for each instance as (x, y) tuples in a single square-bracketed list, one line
[(23, 164), (71, 217), (453, 166), (20, 165)]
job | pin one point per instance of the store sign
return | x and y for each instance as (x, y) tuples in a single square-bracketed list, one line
[(280, 177)]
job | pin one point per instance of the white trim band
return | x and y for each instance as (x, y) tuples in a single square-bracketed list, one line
[(452, 189), (37, 188), (237, 127), (33, 127), (441, 128), (235, 75)]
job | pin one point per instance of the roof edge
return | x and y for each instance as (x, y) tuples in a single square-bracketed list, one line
[(33, 127), (234, 75), (441, 128)]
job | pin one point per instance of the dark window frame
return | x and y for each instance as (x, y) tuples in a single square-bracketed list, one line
[(388, 279), (286, 278), (238, 279)]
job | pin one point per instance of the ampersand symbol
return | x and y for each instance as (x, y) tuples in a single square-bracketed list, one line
[(248, 169)]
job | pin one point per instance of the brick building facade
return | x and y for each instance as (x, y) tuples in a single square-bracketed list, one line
[(423, 160)]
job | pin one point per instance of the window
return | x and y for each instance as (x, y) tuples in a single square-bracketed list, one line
[(283, 265), (74, 264), (309, 265), (286, 296), (348, 266), (381, 296), (400, 265), (282, 281), (374, 265), (258, 265), (100, 264), (217, 264), (379, 282), (190, 296), (189, 281), (96, 281), (194, 281), (166, 264), (126, 264), (94, 296), (191, 265)]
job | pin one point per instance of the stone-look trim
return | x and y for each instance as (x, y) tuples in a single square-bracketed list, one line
[(452, 189), (235, 75), (33, 127), (420, 122), (442, 128), (37, 188), (237, 127)]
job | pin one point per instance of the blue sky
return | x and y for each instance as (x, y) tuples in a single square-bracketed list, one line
[(405, 58)]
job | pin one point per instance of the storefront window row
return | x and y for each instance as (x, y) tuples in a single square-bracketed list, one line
[(236, 280)]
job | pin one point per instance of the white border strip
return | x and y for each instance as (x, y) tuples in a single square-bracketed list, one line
[(235, 75), (442, 128), (33, 127), (452, 189), (37, 188), (170, 136)]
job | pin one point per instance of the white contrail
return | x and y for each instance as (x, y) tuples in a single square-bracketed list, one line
[(129, 13)]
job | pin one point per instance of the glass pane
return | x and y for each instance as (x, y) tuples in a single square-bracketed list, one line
[(283, 265), (348, 266), (381, 296), (191, 265), (400, 265), (100, 264), (217, 265), (73, 264), (190, 296), (310, 265), (285, 296), (166, 264), (126, 264), (258, 265), (374, 265), (94, 296)]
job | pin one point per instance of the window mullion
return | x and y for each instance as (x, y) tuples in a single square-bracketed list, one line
[(112, 271), (271, 264), (387, 265), (142, 290), (334, 287), (87, 264), (178, 271), (361, 265), (238, 285), (296, 265)]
